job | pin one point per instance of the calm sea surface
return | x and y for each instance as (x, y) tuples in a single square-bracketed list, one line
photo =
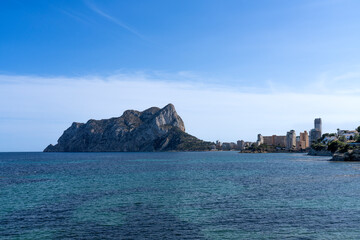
[(209, 195)]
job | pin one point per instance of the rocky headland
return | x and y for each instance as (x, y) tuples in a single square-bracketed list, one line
[(152, 130)]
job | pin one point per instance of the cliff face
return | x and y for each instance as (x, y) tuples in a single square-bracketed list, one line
[(154, 129)]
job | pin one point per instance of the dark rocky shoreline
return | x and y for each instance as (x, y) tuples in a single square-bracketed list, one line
[(314, 152), (349, 156), (277, 151), (352, 155)]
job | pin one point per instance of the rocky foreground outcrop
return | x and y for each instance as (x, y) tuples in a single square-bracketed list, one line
[(313, 152), (350, 155), (154, 129)]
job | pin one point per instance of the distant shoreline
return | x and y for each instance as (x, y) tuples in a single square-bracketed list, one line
[(278, 151)]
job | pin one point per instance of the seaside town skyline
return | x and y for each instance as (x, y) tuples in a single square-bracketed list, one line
[(291, 141)]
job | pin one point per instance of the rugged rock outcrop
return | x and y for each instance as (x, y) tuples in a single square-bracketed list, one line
[(154, 129), (313, 152), (350, 155)]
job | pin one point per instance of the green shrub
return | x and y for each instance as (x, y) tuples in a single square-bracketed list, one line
[(336, 145), (319, 146)]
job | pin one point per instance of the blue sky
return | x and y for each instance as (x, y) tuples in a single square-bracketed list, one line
[(281, 62)]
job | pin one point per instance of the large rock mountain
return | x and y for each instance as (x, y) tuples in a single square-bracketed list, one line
[(154, 129)]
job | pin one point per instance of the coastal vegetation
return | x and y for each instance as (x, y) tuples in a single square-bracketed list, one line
[(265, 148), (344, 146), (262, 148), (338, 145)]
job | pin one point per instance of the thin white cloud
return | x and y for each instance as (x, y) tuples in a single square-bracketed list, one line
[(335, 83), (97, 10), (36, 110)]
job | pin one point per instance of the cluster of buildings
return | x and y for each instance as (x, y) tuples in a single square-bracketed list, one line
[(291, 141), (344, 135), (349, 135)]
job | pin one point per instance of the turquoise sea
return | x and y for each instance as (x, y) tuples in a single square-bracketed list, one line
[(204, 195)]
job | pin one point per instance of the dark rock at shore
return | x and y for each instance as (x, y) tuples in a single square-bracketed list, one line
[(350, 155), (154, 129), (313, 152)]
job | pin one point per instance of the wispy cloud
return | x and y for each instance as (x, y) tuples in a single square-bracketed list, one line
[(77, 16), (110, 18), (336, 83)]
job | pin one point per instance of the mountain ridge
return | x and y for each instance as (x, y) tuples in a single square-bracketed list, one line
[(151, 130)]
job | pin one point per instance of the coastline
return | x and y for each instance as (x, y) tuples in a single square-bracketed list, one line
[(276, 151), (313, 152)]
